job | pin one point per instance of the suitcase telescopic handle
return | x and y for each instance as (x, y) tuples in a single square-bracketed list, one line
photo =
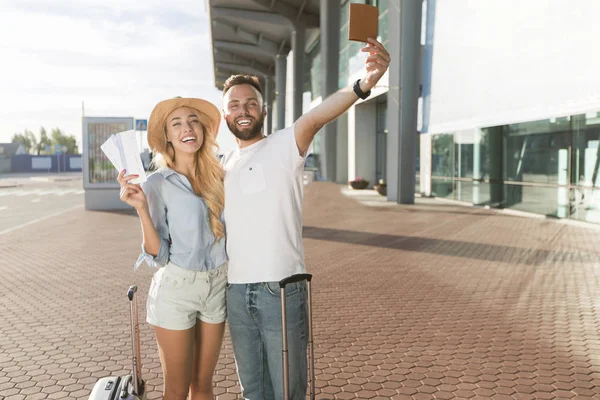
[(284, 351), (293, 279), (138, 382), (131, 292)]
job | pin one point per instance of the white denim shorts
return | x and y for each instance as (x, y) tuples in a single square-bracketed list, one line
[(178, 297)]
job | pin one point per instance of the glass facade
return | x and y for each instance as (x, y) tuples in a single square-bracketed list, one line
[(548, 167), (312, 81), (381, 141), (418, 166), (313, 69), (584, 194), (535, 164), (465, 167), (442, 165), (383, 6)]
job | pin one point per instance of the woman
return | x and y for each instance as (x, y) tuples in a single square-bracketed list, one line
[(180, 208)]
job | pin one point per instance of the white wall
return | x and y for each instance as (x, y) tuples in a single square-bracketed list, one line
[(289, 90), (502, 61), (341, 168), (341, 156), (362, 142)]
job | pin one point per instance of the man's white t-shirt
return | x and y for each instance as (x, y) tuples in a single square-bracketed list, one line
[(263, 209)]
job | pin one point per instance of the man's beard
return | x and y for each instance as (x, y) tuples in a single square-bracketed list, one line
[(247, 134)]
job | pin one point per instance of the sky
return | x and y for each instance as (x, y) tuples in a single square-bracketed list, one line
[(118, 57)]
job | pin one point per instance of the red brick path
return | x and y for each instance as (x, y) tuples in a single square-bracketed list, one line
[(431, 301)]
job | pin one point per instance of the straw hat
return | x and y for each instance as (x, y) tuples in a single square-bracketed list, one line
[(209, 116)]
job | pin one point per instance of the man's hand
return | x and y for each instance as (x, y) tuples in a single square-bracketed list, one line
[(375, 65), (338, 103)]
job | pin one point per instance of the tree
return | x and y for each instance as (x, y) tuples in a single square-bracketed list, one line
[(26, 139), (45, 144), (44, 141), (68, 141)]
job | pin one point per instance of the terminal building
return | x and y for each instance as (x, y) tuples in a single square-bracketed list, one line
[(493, 103)]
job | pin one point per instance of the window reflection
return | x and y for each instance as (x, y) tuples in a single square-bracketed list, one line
[(442, 156), (584, 196), (537, 151), (549, 167)]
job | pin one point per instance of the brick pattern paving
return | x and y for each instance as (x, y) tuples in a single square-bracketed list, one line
[(430, 301)]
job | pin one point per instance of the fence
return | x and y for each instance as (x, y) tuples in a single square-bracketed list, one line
[(54, 163)]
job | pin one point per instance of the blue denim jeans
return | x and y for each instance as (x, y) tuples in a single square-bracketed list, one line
[(254, 318)]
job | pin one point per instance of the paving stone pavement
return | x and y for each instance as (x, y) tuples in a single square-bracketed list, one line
[(428, 301)]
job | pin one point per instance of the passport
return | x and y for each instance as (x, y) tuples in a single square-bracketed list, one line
[(363, 22)]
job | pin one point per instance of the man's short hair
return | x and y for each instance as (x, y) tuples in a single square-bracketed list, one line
[(241, 79)]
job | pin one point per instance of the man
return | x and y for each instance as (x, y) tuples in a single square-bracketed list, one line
[(263, 218)]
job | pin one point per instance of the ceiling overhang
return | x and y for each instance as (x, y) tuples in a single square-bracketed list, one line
[(247, 35)]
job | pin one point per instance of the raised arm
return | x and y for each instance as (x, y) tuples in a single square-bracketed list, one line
[(309, 124)]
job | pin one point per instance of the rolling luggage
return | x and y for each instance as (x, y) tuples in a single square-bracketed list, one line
[(127, 387), (311, 355)]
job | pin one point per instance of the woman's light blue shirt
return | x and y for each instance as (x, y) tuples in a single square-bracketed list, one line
[(180, 217)]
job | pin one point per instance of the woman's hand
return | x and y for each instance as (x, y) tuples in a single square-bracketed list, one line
[(130, 193)]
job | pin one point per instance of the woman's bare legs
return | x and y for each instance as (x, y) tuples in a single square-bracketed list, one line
[(207, 345), (176, 357)]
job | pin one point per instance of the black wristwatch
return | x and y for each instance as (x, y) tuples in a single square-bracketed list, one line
[(359, 92)]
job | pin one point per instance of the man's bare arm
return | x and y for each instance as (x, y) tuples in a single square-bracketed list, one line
[(338, 103)]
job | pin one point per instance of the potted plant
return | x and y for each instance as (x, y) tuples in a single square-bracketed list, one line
[(359, 183), (381, 187)]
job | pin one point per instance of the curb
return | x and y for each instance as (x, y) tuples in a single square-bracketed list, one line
[(66, 179)]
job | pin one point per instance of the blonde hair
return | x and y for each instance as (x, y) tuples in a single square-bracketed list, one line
[(208, 180)]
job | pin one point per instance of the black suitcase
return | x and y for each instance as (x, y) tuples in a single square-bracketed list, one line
[(128, 387), (310, 350)]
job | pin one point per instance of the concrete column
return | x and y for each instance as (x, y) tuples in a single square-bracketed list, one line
[(330, 59), (341, 168), (268, 100), (298, 43), (476, 166), (496, 155), (280, 78), (428, 64), (289, 93), (404, 23)]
